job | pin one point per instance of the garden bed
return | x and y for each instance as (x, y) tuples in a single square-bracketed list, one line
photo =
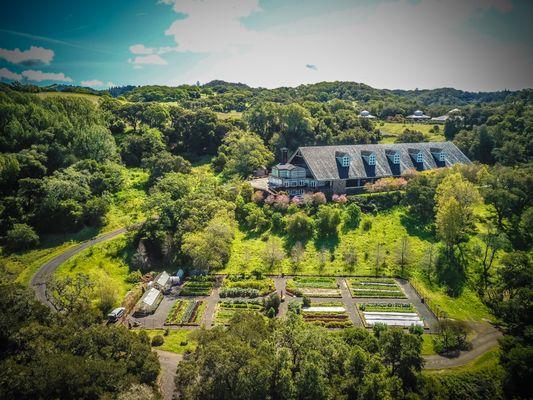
[(186, 312), (327, 314), (244, 285), (392, 314), (226, 309), (313, 287), (198, 286), (375, 287)]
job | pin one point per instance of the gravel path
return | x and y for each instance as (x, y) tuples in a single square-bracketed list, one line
[(44, 273), (349, 303), (280, 283), (209, 314)]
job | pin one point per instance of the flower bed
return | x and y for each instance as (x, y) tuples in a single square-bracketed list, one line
[(375, 287), (226, 309), (313, 287), (186, 312)]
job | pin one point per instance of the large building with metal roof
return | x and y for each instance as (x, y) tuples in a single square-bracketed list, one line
[(347, 168)]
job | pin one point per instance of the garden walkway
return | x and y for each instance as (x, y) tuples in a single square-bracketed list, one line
[(349, 303), (212, 300), (422, 308), (280, 283)]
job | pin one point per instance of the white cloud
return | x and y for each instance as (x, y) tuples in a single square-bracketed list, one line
[(7, 74), (111, 84), (33, 56), (92, 83), (390, 44), (152, 59), (39, 76), (141, 49)]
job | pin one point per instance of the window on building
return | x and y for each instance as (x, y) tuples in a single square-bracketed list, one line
[(372, 159), (302, 182), (283, 174), (294, 183), (286, 183), (345, 161), (442, 156), (419, 157), (396, 158)]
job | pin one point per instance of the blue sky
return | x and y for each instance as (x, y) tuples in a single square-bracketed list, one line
[(468, 44)]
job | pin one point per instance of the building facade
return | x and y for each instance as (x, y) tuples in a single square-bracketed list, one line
[(345, 169)]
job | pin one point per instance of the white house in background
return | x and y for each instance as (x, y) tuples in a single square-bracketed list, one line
[(418, 116), (455, 114), (366, 114), (149, 302)]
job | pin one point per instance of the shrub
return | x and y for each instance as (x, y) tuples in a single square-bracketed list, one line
[(134, 277), (272, 301), (353, 215), (416, 330), (306, 301), (319, 198), (452, 337), (300, 226), (157, 341), (21, 237), (167, 332), (367, 225), (271, 313), (378, 328)]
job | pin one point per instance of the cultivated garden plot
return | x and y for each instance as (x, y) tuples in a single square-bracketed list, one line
[(326, 287), (392, 314), (246, 286), (226, 309), (198, 285), (327, 314), (375, 287), (186, 312)]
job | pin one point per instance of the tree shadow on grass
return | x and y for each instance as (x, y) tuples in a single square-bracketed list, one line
[(416, 227), (451, 273)]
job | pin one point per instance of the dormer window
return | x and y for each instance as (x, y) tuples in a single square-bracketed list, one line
[(439, 154), (345, 161), (372, 159), (442, 156), (396, 158), (419, 157)]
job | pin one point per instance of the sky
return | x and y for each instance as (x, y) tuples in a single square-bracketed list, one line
[(476, 45)]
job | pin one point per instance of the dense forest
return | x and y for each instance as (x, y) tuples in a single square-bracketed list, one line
[(64, 160)]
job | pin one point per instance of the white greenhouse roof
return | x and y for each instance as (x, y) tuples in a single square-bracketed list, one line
[(163, 278), (151, 296)]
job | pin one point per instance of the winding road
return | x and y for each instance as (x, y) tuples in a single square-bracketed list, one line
[(44, 273), (485, 339)]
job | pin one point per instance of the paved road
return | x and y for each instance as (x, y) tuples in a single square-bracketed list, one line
[(45, 272), (486, 338), (169, 362), (349, 303)]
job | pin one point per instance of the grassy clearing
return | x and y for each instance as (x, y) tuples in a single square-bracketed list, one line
[(92, 97), (178, 340), (427, 345), (106, 264), (126, 208), (393, 129), (229, 115)]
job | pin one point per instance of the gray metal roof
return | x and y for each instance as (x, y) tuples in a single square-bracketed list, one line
[(324, 166)]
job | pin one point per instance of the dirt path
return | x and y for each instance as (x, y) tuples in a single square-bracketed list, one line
[(212, 300), (44, 273), (169, 362), (486, 338), (280, 284)]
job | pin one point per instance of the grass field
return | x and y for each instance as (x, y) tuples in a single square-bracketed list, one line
[(392, 129), (178, 340), (92, 97), (229, 115), (105, 263)]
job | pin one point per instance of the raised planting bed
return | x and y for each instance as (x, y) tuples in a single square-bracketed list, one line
[(226, 309), (244, 285), (388, 307), (198, 286), (327, 314), (392, 314), (375, 287), (313, 287), (186, 312)]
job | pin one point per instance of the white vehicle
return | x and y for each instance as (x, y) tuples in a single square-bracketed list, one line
[(114, 315)]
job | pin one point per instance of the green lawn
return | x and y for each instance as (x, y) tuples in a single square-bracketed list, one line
[(229, 115), (177, 341), (392, 129), (427, 345)]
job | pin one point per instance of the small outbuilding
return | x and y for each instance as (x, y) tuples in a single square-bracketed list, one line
[(149, 302), (366, 114), (162, 281), (418, 116)]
